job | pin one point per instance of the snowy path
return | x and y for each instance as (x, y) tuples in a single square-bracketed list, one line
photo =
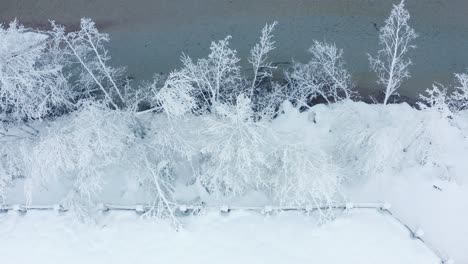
[(363, 236)]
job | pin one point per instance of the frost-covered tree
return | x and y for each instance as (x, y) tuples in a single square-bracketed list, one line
[(199, 86), (459, 98), (177, 97), (142, 98), (210, 86), (323, 76), (79, 150), (447, 104), (233, 152), (154, 166), (214, 79), (86, 49), (304, 176), (437, 99), (300, 171), (209, 118), (266, 95), (13, 161), (329, 60), (440, 133), (259, 58), (32, 84), (391, 63), (302, 84)]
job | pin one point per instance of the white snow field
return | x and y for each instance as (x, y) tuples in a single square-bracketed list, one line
[(359, 236)]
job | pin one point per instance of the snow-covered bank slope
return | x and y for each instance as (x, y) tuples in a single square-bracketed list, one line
[(442, 214), (364, 236), (388, 153), (415, 160)]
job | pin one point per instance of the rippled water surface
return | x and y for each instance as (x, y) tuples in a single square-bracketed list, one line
[(148, 36)]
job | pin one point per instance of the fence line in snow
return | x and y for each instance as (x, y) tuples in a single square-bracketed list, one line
[(416, 233)]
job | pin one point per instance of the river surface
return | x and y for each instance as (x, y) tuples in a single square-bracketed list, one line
[(148, 36)]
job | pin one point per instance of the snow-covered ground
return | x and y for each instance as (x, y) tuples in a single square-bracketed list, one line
[(361, 236), (378, 147), (442, 214)]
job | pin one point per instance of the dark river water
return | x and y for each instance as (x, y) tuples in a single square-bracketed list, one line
[(148, 36)]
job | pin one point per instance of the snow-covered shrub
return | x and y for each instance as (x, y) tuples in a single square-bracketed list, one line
[(142, 98), (16, 143), (78, 149), (459, 98), (302, 84), (13, 161), (440, 135), (300, 170), (236, 145), (436, 145), (234, 149), (439, 102), (323, 76), (331, 66), (391, 63), (154, 166), (165, 143), (161, 184), (369, 141), (168, 141), (217, 79), (32, 85), (85, 53), (436, 100), (303, 175), (214, 79), (177, 97)]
